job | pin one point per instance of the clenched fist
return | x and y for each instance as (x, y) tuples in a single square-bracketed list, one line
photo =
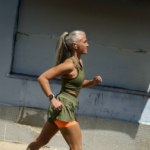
[(97, 80), (56, 104)]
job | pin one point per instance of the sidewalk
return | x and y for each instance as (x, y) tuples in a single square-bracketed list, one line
[(97, 133), (16, 146)]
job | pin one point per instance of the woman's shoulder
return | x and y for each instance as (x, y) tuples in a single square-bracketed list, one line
[(68, 60), (69, 63), (64, 68)]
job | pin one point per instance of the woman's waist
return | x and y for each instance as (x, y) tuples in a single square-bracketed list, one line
[(67, 95), (68, 99), (73, 93), (72, 90)]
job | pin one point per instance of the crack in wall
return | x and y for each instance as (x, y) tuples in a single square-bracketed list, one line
[(91, 42)]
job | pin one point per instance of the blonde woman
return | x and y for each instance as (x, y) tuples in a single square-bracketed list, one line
[(61, 110)]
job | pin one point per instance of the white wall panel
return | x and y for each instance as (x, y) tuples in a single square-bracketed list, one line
[(114, 34), (34, 54), (118, 67)]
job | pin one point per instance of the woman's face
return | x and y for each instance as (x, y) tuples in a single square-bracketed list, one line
[(82, 45)]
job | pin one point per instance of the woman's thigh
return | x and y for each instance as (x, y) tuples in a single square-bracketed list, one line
[(73, 136), (48, 131)]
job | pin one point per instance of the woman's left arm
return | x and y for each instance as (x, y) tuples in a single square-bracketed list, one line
[(89, 83)]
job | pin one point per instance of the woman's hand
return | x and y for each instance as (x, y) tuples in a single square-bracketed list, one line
[(56, 104), (97, 80)]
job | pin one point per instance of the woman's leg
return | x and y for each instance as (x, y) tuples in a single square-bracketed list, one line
[(48, 131), (73, 137)]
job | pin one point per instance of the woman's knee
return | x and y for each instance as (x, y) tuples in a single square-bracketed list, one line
[(77, 147), (36, 144), (43, 142), (80, 147)]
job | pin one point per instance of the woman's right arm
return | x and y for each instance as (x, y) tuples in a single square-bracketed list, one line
[(64, 68)]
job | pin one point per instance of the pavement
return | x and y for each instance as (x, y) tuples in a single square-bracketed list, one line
[(16, 146), (17, 130)]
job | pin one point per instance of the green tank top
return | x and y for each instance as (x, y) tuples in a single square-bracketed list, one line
[(69, 101), (75, 84)]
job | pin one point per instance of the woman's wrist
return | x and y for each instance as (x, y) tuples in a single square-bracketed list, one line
[(93, 82), (51, 97)]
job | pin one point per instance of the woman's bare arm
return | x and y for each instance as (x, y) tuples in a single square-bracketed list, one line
[(89, 83), (64, 68)]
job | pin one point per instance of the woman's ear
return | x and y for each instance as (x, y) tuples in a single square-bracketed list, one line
[(74, 45)]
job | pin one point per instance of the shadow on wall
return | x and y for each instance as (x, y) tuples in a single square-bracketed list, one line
[(113, 105), (106, 125), (97, 124), (94, 117)]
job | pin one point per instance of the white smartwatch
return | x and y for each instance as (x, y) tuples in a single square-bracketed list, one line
[(50, 97)]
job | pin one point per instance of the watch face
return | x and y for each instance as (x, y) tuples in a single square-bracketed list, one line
[(50, 97)]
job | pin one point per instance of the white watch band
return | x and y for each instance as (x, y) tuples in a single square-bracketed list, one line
[(49, 98)]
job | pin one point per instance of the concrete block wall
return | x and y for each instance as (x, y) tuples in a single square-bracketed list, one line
[(98, 103), (27, 92), (97, 133)]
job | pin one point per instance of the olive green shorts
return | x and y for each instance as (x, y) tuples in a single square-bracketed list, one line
[(66, 114)]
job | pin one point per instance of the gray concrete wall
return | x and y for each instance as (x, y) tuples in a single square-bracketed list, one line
[(114, 34), (97, 133), (9, 89)]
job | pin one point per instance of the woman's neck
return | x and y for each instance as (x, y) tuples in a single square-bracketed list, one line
[(76, 57)]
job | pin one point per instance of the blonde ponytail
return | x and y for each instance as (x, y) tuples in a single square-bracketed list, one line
[(64, 45), (62, 51)]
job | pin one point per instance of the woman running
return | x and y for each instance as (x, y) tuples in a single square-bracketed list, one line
[(61, 110)]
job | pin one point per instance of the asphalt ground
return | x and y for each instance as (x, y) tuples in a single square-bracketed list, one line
[(97, 133), (16, 146)]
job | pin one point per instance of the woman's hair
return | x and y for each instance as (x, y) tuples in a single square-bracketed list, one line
[(64, 45)]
